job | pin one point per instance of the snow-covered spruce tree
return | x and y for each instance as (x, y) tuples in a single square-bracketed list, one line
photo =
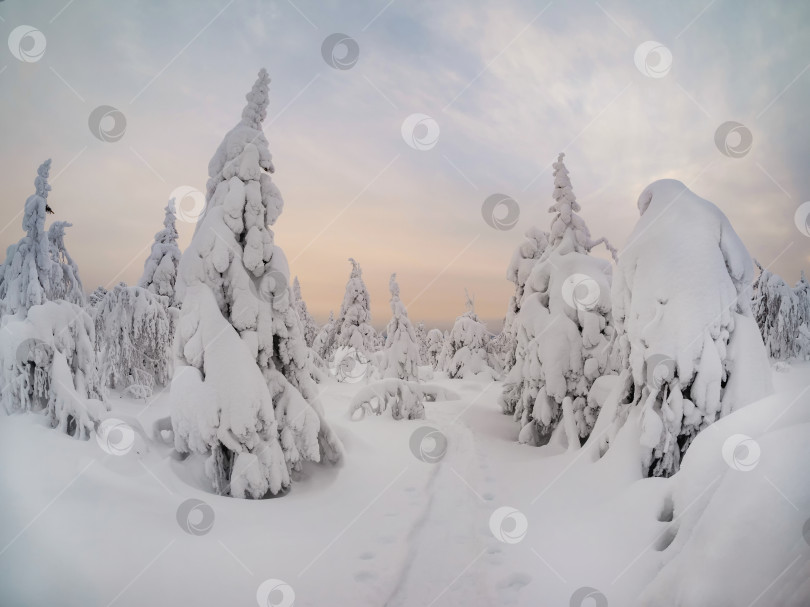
[(134, 334), (160, 269), (308, 325), (401, 353), (520, 266), (354, 328), (242, 391), (500, 349), (324, 342), (46, 355), (682, 305), (435, 343), (464, 352), (64, 281), (27, 269), (563, 327)]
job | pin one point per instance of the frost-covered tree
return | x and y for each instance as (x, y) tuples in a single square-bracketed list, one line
[(324, 342), (308, 325), (464, 352), (160, 269), (65, 283), (243, 389), (96, 296), (354, 328), (500, 350), (562, 327), (26, 272), (134, 334), (520, 266), (400, 358), (682, 305), (421, 342), (435, 343), (781, 312)]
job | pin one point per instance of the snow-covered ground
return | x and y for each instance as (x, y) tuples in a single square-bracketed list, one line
[(491, 522)]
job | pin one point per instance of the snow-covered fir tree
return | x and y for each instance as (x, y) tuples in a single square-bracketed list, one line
[(562, 327), (464, 352), (354, 328), (64, 281), (26, 272), (243, 391), (324, 342), (134, 334), (682, 305), (435, 343), (160, 269), (520, 266), (401, 354), (47, 363), (308, 325)]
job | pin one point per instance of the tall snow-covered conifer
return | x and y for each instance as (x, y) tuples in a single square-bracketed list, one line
[(464, 353), (562, 327), (307, 322), (160, 269), (354, 328), (401, 356), (64, 281), (243, 390)]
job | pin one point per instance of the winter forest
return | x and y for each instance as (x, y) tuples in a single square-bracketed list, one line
[(621, 416)]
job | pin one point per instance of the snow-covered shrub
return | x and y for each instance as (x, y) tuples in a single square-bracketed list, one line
[(308, 325), (26, 272), (435, 343), (64, 280), (562, 328), (404, 399), (47, 366), (160, 269), (401, 354), (421, 342), (243, 391), (464, 352), (781, 312), (134, 333), (500, 350), (681, 303), (354, 322)]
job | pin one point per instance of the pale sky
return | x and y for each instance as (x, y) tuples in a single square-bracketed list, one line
[(509, 83)]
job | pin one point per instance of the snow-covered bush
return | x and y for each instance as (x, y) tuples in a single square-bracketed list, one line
[(65, 283), (160, 269), (421, 341), (781, 313), (562, 328), (308, 325), (681, 302), (401, 354), (47, 366), (243, 391), (500, 350), (26, 272), (134, 332), (464, 352), (404, 399), (435, 343), (354, 322)]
